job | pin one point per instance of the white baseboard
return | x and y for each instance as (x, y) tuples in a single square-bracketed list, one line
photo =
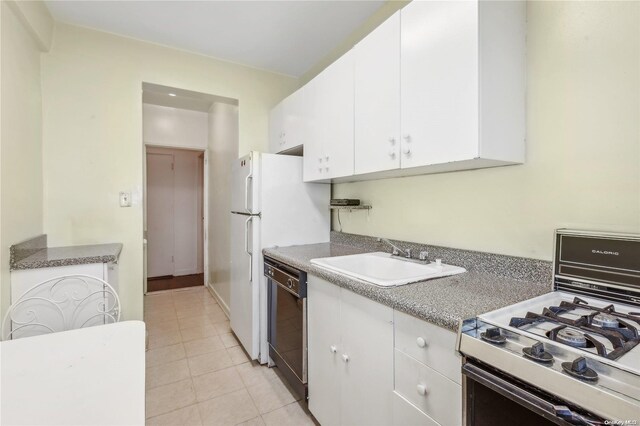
[(223, 305)]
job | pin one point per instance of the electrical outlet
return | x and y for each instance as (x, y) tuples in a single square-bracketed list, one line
[(125, 199)]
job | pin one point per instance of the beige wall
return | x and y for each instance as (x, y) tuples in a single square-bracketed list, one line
[(92, 97), (583, 148), (174, 127), (21, 131), (223, 149)]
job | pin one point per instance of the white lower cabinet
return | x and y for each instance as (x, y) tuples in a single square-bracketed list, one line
[(323, 341), (407, 414), (371, 365), (430, 391), (431, 345), (350, 351)]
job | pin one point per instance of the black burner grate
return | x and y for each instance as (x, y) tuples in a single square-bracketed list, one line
[(623, 337)]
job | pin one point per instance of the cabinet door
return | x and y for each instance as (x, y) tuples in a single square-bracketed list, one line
[(335, 103), (294, 122), (276, 128), (313, 159), (367, 370), (324, 349), (439, 82), (377, 99)]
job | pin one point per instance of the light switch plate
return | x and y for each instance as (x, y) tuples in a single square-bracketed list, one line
[(125, 199)]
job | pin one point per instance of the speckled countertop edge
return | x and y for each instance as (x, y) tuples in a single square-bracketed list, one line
[(443, 301), (29, 255)]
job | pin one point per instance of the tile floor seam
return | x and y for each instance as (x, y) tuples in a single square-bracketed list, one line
[(174, 410)]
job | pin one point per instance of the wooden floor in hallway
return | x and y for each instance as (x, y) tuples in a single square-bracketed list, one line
[(172, 282)]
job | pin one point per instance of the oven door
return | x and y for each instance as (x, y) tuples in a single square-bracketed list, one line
[(287, 333), (492, 398)]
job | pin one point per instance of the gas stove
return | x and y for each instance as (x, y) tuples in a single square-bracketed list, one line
[(575, 351)]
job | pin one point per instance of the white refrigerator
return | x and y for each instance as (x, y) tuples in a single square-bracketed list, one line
[(270, 206)]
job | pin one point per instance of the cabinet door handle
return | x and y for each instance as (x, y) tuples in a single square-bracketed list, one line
[(407, 138), (392, 140), (333, 349), (421, 342), (407, 151), (345, 357), (422, 390), (392, 154)]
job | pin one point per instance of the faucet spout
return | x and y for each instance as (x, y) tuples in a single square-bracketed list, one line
[(396, 250)]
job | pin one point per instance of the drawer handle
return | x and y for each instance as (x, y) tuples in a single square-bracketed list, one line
[(333, 349), (421, 342), (345, 357), (422, 390)]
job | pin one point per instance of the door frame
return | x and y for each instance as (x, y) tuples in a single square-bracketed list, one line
[(205, 206)]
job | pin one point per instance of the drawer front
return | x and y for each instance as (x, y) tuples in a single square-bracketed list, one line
[(406, 414), (429, 344), (434, 394)]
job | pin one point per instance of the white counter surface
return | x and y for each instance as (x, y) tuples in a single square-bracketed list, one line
[(90, 376)]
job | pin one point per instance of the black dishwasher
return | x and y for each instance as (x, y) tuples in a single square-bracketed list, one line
[(287, 328)]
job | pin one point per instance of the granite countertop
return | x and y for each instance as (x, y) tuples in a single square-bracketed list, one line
[(24, 257), (442, 301)]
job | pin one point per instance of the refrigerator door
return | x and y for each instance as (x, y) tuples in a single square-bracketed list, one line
[(245, 281), (292, 213), (245, 184)]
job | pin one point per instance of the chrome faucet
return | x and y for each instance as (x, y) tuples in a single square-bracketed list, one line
[(397, 250), (423, 257)]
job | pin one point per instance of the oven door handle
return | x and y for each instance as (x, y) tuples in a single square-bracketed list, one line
[(558, 414)]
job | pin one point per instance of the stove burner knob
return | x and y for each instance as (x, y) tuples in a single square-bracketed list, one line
[(537, 349), (537, 353), (579, 365), (579, 369), (492, 335)]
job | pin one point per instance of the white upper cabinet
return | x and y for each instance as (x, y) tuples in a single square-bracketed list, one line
[(439, 82), (377, 99), (313, 160), (439, 86), (276, 128), (329, 149), (287, 122), (462, 84)]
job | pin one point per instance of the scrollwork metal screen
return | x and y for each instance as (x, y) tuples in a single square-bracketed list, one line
[(59, 304)]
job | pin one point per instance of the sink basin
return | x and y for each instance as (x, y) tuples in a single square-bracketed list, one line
[(385, 270)]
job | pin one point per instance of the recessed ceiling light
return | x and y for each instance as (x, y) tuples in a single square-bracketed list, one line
[(172, 94)]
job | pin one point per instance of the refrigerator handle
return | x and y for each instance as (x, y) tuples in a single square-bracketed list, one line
[(246, 185), (246, 193), (246, 246)]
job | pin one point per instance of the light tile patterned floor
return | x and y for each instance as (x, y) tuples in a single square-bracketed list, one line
[(197, 374)]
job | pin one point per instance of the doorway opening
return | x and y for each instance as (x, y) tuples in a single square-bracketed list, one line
[(177, 122), (175, 218)]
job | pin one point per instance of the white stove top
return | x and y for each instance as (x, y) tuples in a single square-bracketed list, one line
[(629, 361)]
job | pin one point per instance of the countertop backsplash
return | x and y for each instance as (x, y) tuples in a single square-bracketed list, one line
[(518, 268)]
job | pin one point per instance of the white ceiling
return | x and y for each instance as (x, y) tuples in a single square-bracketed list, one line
[(173, 97), (288, 37)]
